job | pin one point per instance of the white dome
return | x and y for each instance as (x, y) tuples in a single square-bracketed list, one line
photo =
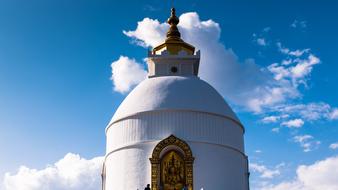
[(173, 93)]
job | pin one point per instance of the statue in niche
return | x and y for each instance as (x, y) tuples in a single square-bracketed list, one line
[(173, 174)]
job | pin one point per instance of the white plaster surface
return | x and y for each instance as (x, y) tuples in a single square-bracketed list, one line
[(215, 167), (173, 92), (160, 65), (188, 108), (193, 126)]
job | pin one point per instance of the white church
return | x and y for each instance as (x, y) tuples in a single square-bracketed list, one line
[(174, 131)]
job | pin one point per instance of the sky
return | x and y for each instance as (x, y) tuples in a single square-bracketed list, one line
[(65, 66)]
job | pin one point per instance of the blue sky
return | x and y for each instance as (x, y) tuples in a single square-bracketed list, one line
[(56, 95)]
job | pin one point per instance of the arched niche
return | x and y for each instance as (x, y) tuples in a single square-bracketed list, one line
[(175, 153)]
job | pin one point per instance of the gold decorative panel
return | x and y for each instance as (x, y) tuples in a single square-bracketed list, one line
[(173, 169)]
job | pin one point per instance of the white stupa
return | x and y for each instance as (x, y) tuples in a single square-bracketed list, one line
[(174, 131)]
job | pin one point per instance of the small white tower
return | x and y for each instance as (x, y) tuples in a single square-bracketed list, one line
[(174, 130)]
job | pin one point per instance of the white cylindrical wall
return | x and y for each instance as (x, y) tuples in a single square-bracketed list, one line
[(188, 125), (216, 142), (215, 167)]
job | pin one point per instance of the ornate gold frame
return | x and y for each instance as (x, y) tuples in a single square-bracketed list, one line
[(155, 160)]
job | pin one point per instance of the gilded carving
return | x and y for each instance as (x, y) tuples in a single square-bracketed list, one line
[(173, 170)]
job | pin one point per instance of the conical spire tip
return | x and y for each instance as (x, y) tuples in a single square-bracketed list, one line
[(173, 20)]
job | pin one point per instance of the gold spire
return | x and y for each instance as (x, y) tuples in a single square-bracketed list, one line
[(174, 44), (173, 30)]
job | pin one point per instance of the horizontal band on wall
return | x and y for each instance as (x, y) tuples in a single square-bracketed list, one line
[(134, 145), (176, 110)]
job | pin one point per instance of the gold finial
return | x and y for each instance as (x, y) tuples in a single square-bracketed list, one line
[(174, 44), (173, 21)]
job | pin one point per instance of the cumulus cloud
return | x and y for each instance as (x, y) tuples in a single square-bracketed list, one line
[(149, 32), (70, 173), (307, 142), (243, 83), (126, 73), (264, 171), (318, 176)]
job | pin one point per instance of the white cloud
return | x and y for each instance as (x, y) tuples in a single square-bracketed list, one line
[(126, 73), (270, 119), (242, 83), (260, 38), (266, 29), (261, 41), (275, 130), (304, 67), (298, 53), (334, 146), (321, 175), (70, 173), (302, 138), (264, 171), (294, 123), (294, 70), (334, 114), (299, 24), (149, 32), (286, 61), (151, 8), (307, 142), (295, 53), (311, 112), (258, 151)]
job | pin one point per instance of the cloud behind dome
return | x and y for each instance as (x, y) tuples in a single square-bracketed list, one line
[(69, 173)]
